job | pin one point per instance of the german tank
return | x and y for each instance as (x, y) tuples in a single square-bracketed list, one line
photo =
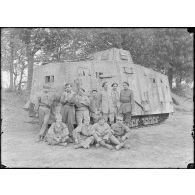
[(153, 101)]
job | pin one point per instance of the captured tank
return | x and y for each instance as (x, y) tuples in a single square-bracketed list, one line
[(153, 101)]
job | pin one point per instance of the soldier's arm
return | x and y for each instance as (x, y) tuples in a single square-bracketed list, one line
[(37, 100), (100, 102), (73, 100), (76, 132), (51, 129), (63, 99), (87, 101), (120, 96), (127, 132), (65, 130), (95, 134), (132, 100)]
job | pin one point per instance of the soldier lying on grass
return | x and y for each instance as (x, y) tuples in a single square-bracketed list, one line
[(58, 133), (103, 135)]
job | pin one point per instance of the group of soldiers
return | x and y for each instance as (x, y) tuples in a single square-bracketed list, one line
[(100, 119)]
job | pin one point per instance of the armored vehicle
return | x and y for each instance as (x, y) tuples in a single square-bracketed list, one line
[(153, 101)]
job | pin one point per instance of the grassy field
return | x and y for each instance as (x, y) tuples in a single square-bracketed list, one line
[(168, 145)]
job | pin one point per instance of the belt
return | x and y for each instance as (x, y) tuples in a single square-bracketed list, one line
[(44, 105), (125, 102), (68, 104)]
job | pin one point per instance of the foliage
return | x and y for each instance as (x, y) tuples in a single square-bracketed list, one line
[(166, 50)]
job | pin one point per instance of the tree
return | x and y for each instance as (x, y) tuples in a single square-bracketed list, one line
[(174, 51), (34, 39), (8, 43)]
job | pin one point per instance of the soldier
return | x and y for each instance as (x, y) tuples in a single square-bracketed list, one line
[(115, 98), (103, 135), (106, 104), (82, 104), (43, 105), (121, 131), (68, 107), (58, 133), (127, 102), (94, 106), (83, 135)]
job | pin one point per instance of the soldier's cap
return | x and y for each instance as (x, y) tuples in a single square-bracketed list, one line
[(104, 84), (94, 90), (114, 84), (126, 83), (68, 84)]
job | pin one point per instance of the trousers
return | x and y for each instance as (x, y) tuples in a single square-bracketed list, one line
[(44, 114), (82, 116)]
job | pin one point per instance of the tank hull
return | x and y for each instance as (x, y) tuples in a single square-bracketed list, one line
[(151, 89)]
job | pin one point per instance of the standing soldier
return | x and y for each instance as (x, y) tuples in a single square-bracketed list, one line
[(43, 105), (127, 102), (95, 106), (68, 107), (115, 98), (106, 104), (82, 104)]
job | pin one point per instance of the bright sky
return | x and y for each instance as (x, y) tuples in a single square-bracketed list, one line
[(4, 79)]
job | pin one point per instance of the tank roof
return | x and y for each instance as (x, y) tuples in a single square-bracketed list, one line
[(112, 54)]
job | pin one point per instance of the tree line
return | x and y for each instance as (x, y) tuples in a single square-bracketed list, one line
[(167, 50)]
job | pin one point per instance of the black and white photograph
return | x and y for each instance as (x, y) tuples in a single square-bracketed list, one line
[(97, 97)]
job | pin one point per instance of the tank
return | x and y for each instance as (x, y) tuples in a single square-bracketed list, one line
[(153, 101)]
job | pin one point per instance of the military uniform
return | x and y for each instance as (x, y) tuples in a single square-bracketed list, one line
[(102, 132), (43, 104), (94, 108), (116, 101), (127, 104), (121, 131), (107, 106), (83, 135), (68, 109), (82, 109), (57, 133)]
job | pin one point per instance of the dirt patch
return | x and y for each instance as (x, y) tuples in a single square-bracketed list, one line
[(167, 145)]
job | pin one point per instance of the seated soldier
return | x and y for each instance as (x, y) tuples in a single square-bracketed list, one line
[(58, 133), (120, 130), (83, 135), (103, 135)]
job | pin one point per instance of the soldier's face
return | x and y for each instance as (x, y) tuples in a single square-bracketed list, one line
[(114, 87), (68, 88), (106, 86), (101, 121), (125, 86)]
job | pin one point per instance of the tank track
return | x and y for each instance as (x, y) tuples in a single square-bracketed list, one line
[(147, 120)]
